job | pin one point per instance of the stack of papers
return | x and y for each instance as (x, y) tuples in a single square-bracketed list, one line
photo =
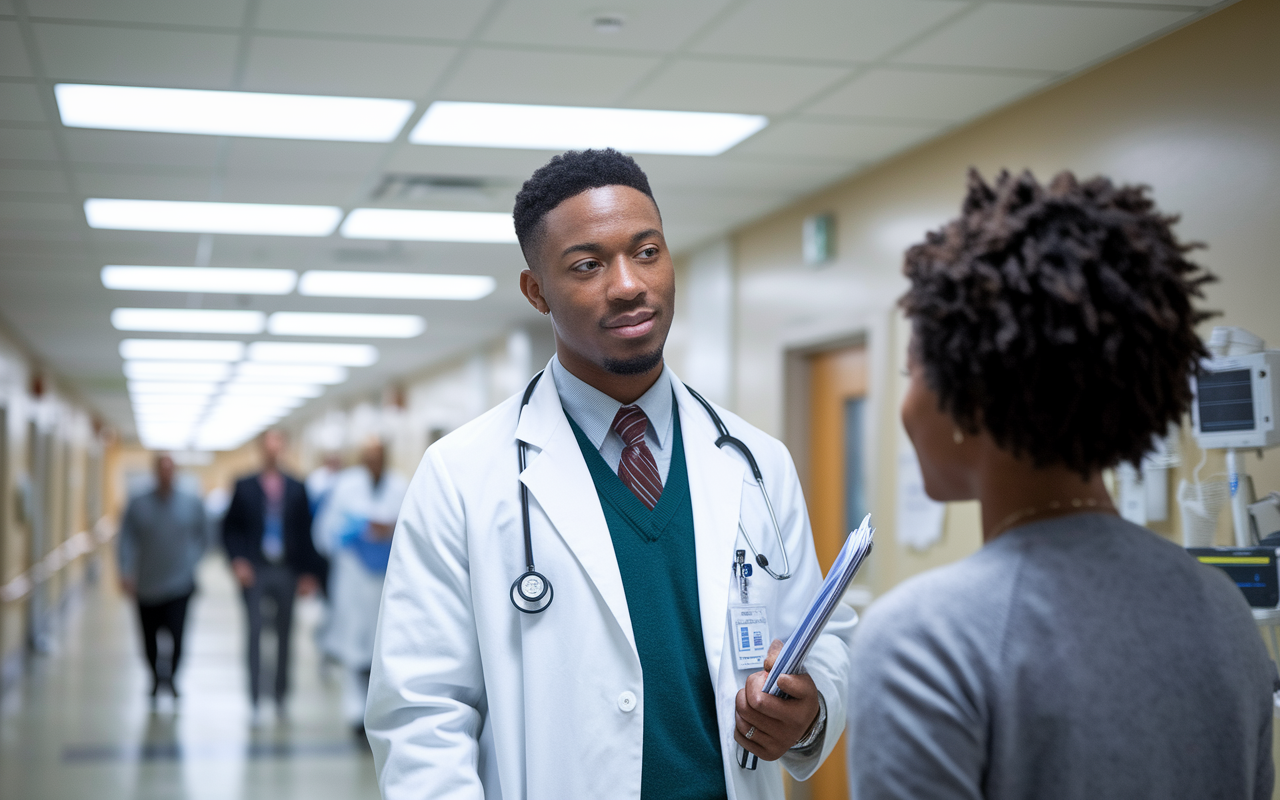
[(791, 659)]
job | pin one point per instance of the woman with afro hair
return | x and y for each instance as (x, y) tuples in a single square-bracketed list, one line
[(1075, 655)]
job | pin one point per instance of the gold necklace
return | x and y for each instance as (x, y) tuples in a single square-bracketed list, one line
[(1053, 505)]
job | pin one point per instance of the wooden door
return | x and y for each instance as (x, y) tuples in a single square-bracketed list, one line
[(837, 488)]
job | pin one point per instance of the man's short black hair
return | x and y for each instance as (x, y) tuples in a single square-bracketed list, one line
[(1058, 319), (565, 176)]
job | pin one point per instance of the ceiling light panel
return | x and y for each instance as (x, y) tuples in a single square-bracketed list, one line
[(345, 355), (188, 320), (171, 389), (395, 285), (364, 326), (429, 226), (213, 280), (176, 370), (689, 133), (253, 372), (272, 116), (271, 390), (180, 350), (198, 217)]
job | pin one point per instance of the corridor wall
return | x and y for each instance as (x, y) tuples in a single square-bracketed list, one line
[(1195, 115), (53, 517)]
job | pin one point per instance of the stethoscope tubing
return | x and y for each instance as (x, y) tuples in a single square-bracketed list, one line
[(539, 603)]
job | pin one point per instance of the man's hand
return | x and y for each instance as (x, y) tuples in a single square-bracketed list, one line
[(129, 587), (381, 531), (243, 570), (778, 724), (307, 585)]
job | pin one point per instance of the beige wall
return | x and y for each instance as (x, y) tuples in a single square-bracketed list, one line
[(1196, 115)]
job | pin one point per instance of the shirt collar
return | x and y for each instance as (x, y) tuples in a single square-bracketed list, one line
[(594, 411)]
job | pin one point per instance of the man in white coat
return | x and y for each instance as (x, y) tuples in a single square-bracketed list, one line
[(631, 683), (354, 530)]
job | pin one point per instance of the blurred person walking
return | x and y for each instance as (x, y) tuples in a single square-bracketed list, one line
[(319, 486), (355, 528), (267, 535), (162, 537)]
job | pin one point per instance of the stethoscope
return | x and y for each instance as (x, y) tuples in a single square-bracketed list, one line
[(532, 592)]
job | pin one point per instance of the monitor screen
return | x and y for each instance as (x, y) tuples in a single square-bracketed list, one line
[(1225, 401)]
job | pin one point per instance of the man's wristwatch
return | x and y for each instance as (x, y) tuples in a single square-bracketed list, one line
[(815, 730)]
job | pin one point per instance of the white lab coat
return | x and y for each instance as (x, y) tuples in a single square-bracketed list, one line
[(472, 698), (354, 590)]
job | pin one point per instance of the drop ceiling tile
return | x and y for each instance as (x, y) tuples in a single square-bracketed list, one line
[(741, 86), (327, 66), (932, 95), (144, 186), (517, 76), (13, 54), (33, 180), (851, 30), (851, 142), (305, 189), (181, 12), (286, 155), (479, 162), (148, 149), (20, 102), (653, 26), (27, 145), (141, 57), (739, 173), (38, 212), (1044, 37), (427, 19)]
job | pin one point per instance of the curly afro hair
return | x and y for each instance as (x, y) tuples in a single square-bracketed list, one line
[(1058, 319), (565, 176)]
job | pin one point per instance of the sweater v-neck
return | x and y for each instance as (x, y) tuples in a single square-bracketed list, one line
[(650, 524)]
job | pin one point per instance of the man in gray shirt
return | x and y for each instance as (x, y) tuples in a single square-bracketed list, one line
[(162, 537)]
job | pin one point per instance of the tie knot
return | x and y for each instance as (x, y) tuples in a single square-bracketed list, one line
[(630, 423)]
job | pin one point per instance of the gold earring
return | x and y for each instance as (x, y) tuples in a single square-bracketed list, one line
[(957, 436)]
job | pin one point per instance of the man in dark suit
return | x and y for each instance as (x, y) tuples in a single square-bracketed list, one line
[(267, 534)]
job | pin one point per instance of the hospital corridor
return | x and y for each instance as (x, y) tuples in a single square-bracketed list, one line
[(82, 725), (662, 400)]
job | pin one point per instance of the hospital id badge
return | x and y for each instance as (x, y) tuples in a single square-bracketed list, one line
[(750, 624)]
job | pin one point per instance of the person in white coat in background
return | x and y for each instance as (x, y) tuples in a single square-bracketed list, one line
[(355, 527), (610, 668)]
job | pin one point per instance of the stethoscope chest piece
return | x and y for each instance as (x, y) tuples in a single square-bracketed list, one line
[(531, 593)]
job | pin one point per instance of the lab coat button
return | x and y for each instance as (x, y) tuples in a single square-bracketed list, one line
[(627, 701)]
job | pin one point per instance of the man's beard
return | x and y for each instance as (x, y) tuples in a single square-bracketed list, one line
[(636, 365)]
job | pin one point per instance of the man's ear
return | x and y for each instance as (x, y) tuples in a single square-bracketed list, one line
[(532, 290)]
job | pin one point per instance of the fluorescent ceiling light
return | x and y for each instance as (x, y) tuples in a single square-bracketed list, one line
[(364, 326), (346, 355), (194, 217), (214, 280), (176, 370), (162, 402), (429, 226), (688, 133), (180, 350), (268, 390), (139, 389), (395, 285), (273, 116), (252, 372), (188, 320)]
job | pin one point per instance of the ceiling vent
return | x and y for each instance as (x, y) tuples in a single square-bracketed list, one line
[(408, 187)]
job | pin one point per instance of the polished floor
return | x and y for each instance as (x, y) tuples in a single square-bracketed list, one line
[(80, 724)]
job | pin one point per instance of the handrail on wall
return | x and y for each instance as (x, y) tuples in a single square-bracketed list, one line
[(57, 559)]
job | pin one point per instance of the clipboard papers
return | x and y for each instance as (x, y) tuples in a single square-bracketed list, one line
[(791, 659)]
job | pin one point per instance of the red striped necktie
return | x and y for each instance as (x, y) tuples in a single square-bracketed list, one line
[(637, 469)]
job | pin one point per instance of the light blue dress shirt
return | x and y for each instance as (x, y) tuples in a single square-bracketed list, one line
[(594, 412)]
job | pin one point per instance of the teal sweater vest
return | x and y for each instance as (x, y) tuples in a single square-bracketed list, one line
[(656, 555)]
